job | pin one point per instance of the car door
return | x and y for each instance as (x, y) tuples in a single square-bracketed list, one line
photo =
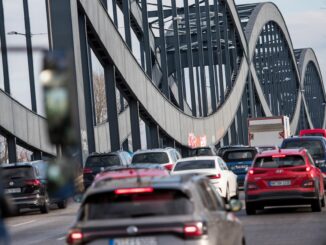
[(232, 178)]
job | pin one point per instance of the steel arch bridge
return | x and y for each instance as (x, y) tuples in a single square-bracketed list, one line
[(205, 66)]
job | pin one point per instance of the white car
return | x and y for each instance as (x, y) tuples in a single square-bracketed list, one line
[(215, 169)]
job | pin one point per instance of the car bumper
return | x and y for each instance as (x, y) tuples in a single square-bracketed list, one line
[(241, 180), (29, 201), (282, 198)]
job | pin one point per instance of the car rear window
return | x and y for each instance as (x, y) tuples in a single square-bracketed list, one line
[(156, 203), (151, 157), (24, 172), (103, 161), (314, 147), (195, 164), (313, 134), (202, 152), (232, 156), (279, 162)]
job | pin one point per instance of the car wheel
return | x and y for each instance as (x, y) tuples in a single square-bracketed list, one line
[(227, 194), (243, 241), (62, 204), (323, 201), (250, 209), (316, 205), (45, 207)]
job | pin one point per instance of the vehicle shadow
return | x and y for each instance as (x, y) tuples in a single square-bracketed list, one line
[(282, 210)]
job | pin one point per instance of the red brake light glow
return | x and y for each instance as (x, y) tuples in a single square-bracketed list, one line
[(279, 156), (169, 166), (75, 237), (88, 171), (308, 169), (133, 190), (215, 176), (34, 182), (251, 171), (193, 230)]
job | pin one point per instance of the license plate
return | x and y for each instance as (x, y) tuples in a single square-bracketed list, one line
[(134, 241), (280, 183), (12, 190)]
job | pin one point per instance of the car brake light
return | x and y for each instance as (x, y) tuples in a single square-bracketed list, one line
[(251, 171), (88, 171), (218, 176), (193, 230), (169, 166), (133, 190), (308, 169), (75, 237), (279, 156), (34, 182)]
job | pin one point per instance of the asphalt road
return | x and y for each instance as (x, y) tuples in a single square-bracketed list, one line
[(275, 226)]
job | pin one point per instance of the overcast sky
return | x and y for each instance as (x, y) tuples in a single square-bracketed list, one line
[(306, 21)]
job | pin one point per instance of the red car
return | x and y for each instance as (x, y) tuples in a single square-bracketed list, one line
[(114, 173), (284, 177)]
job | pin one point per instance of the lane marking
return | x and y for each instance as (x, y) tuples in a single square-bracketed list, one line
[(24, 223), (61, 238)]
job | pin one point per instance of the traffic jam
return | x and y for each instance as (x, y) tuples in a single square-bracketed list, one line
[(158, 196)]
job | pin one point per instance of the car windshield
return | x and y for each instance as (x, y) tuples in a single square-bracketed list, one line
[(202, 152), (136, 205), (103, 161), (234, 156), (314, 147), (194, 164), (24, 172), (279, 162), (151, 157)]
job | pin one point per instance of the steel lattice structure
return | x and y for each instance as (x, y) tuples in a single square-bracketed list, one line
[(205, 66)]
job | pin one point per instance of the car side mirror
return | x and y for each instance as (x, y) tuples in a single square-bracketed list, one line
[(234, 205)]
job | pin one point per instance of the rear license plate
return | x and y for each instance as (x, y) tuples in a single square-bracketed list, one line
[(12, 190), (280, 183), (134, 241)]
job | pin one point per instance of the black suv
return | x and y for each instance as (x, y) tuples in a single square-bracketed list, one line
[(155, 210), (97, 162), (24, 183), (203, 151)]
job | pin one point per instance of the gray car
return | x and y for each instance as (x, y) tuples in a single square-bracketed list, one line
[(155, 211)]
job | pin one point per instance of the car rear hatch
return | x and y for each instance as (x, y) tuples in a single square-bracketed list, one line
[(277, 172), (238, 161), (138, 216), (20, 180)]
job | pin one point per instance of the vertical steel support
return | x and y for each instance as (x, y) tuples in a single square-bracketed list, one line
[(189, 58), (210, 56), (134, 122), (240, 124), (200, 110), (147, 48), (164, 66), (28, 37), (228, 74), (105, 4), (233, 133), (87, 73), (126, 16), (4, 53), (152, 136), (12, 149), (177, 58), (110, 89), (201, 59), (37, 155), (115, 15)]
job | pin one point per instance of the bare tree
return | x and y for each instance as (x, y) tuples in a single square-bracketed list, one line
[(99, 97), (3, 150)]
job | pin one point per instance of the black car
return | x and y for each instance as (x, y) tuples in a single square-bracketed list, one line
[(220, 151), (203, 151), (156, 211), (25, 185), (97, 162)]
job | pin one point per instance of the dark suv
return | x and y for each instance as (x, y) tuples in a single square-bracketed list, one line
[(23, 182), (97, 162), (155, 210), (203, 151)]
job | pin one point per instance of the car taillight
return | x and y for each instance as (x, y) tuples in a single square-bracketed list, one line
[(133, 190), (88, 171), (33, 182), (252, 186), (218, 176), (168, 166), (194, 230), (251, 171), (308, 184), (75, 237), (308, 169)]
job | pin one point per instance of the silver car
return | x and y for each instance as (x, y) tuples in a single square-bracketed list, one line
[(156, 211)]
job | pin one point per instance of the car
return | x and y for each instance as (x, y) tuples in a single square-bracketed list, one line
[(316, 146), (313, 132), (267, 148), (284, 177), (224, 180), (167, 157), (131, 171), (97, 162), (203, 151), (156, 211), (238, 160), (27, 189), (222, 149)]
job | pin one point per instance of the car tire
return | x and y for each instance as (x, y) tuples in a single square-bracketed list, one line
[(227, 194), (250, 209), (323, 201), (316, 205), (243, 241), (45, 207), (62, 204)]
